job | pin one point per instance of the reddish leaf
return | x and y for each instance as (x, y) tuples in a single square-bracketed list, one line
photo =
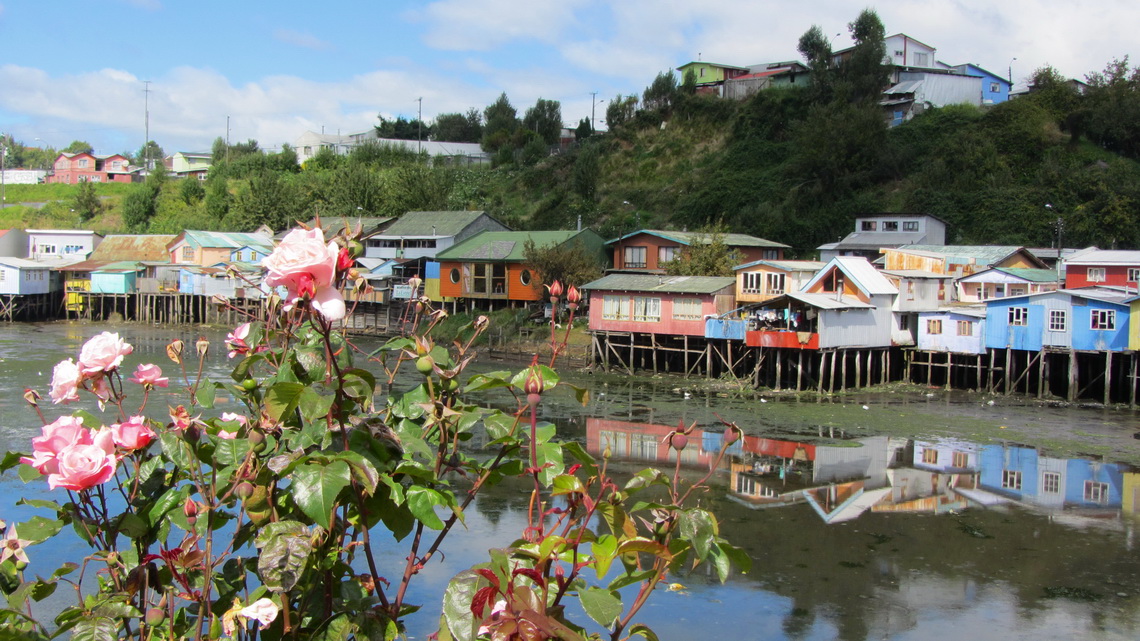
[(479, 601), (489, 575)]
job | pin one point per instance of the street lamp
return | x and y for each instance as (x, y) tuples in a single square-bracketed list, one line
[(1011, 72)]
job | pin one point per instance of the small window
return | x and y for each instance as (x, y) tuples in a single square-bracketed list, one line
[(961, 460), (1096, 492), (524, 277), (771, 254), (869, 225), (930, 456), (453, 275), (666, 254), (934, 326), (910, 225), (752, 282), (687, 309), (1134, 274), (647, 309), (1058, 320), (187, 254), (1011, 479), (1096, 275), (1103, 319), (965, 328), (1051, 483), (635, 257), (890, 225), (1019, 316), (774, 283), (615, 307), (994, 87)]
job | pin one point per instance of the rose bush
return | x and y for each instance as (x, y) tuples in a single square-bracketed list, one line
[(260, 523)]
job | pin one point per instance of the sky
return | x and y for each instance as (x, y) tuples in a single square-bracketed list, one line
[(270, 71)]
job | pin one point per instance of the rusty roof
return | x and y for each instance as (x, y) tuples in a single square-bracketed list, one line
[(133, 248)]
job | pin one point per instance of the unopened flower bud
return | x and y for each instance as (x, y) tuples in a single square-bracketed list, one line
[(202, 346), (155, 616), (555, 291), (481, 323), (732, 434), (573, 297), (32, 397), (678, 441), (190, 509), (344, 260), (243, 490), (174, 350)]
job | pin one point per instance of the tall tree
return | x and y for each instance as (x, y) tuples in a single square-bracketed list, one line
[(86, 202), (662, 93), (79, 147), (569, 263), (1113, 101), (815, 48), (865, 73), (500, 120), (545, 119), (457, 127), (706, 255), (149, 154), (620, 110), (403, 129)]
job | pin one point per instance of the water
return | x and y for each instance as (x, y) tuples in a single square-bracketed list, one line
[(870, 518)]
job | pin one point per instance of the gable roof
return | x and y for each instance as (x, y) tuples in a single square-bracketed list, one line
[(132, 247), (1094, 256), (981, 254), (860, 270), (487, 246), (433, 224), (1114, 296), (662, 284), (786, 265), (224, 240), (1031, 275), (333, 225), (689, 237)]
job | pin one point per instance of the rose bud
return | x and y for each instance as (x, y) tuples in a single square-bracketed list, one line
[(31, 396), (174, 350), (678, 441), (190, 509), (155, 616), (731, 434), (202, 346)]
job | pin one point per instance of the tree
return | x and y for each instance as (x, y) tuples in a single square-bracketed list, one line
[(620, 111), (149, 155), (140, 205), (403, 129), (191, 191), (1113, 101), (568, 263), (456, 127), (864, 74), (270, 200), (689, 83), (79, 147), (219, 152), (86, 202), (816, 51), (545, 119), (500, 120), (662, 93), (587, 169), (583, 130), (706, 255)]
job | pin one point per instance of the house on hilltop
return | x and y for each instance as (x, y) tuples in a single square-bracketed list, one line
[(71, 169), (874, 232)]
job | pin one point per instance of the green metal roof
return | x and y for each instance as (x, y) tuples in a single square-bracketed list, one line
[(1030, 274), (689, 237), (333, 225), (431, 223), (666, 284), (982, 254), (230, 240), (508, 245)]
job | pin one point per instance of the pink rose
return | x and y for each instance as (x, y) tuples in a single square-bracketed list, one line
[(230, 416), (150, 376), (84, 465), (103, 353), (57, 436), (133, 435), (65, 380), (263, 610), (306, 266), (236, 340)]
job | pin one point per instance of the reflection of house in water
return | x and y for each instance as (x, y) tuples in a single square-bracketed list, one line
[(1023, 474), (646, 442)]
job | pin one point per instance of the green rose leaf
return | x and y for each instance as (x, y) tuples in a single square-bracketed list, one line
[(422, 502), (602, 605), (699, 528), (315, 489), (282, 398), (95, 629), (282, 560)]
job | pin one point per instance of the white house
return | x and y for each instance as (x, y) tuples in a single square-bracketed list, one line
[(58, 244), (19, 276)]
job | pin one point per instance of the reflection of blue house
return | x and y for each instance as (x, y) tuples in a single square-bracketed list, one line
[(1092, 319), (1021, 473)]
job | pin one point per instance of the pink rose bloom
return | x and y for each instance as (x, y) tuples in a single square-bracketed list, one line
[(236, 340), (239, 418), (57, 436), (102, 389), (65, 380), (150, 376), (103, 353), (85, 465), (133, 435), (306, 266), (263, 610)]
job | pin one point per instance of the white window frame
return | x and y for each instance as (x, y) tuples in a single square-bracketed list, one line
[(646, 309), (1134, 274), (1018, 316), (1103, 320), (687, 309), (1050, 483), (775, 282), (910, 225), (1096, 492), (615, 307), (751, 282), (1011, 479), (1058, 320), (1095, 274)]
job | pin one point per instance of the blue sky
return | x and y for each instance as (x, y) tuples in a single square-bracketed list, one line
[(74, 69)]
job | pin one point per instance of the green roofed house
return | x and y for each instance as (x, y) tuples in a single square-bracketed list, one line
[(423, 234), (206, 248), (490, 267), (1000, 282)]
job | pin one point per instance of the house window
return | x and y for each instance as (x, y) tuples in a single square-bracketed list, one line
[(921, 59), (770, 254), (687, 309), (961, 460), (930, 456), (73, 249), (524, 277), (965, 328), (47, 249), (615, 307), (934, 326), (751, 282), (666, 254), (1103, 319), (1096, 274), (994, 87), (3, 275), (869, 225), (1096, 492), (83, 163), (774, 283), (904, 323), (1134, 274), (910, 290), (910, 225), (1019, 316), (898, 53), (489, 279), (635, 257), (1011, 479), (646, 309), (890, 225), (1058, 320), (1051, 483), (453, 275), (187, 254)]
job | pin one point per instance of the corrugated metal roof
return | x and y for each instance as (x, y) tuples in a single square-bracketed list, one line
[(1030, 274), (786, 265), (333, 225), (431, 223), (689, 237), (915, 273), (22, 263), (664, 284), (981, 254), (503, 245), (828, 301), (132, 247), (874, 240), (909, 86), (228, 240), (865, 273), (1106, 257)]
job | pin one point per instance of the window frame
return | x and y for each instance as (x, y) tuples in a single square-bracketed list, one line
[(686, 304), (1018, 316), (631, 251), (1050, 483), (1058, 320), (646, 309), (1102, 320), (1095, 274), (1011, 479), (966, 325), (934, 326)]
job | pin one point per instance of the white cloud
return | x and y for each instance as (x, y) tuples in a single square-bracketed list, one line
[(303, 40)]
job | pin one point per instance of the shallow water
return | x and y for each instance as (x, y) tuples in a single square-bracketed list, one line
[(866, 517)]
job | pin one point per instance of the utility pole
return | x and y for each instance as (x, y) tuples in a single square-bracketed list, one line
[(420, 122), (146, 125), (3, 155), (593, 95)]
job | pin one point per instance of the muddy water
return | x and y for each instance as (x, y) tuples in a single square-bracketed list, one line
[(892, 515)]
